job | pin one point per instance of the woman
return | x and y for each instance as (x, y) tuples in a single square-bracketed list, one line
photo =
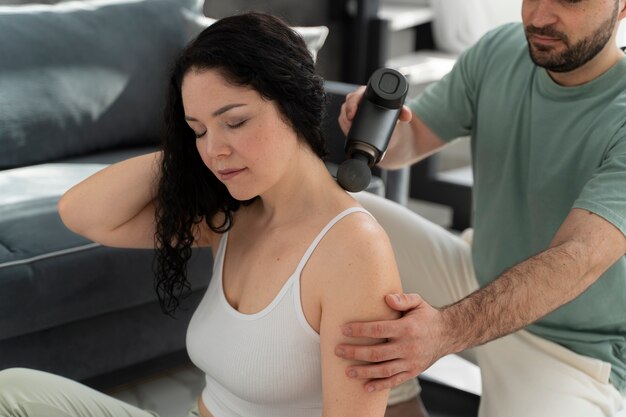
[(295, 256)]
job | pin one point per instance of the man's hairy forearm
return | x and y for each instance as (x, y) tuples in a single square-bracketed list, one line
[(520, 296)]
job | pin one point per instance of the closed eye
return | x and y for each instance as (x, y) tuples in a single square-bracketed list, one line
[(236, 125), (199, 135)]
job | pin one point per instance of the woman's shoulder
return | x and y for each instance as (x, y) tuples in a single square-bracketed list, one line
[(358, 230), (357, 249), (355, 268)]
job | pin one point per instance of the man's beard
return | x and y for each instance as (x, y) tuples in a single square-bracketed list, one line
[(574, 56)]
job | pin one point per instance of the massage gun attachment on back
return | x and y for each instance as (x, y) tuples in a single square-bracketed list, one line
[(372, 127)]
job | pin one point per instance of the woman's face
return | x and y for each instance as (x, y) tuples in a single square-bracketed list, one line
[(241, 137)]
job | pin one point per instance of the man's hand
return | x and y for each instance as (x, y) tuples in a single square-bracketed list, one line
[(413, 343), (411, 140), (350, 106)]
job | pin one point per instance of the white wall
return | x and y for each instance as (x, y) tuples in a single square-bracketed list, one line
[(503, 11), (460, 23)]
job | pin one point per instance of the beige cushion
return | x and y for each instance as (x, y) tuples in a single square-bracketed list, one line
[(314, 36)]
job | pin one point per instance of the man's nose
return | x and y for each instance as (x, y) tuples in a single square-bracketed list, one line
[(541, 13)]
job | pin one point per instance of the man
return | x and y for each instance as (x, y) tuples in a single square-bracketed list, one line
[(545, 105)]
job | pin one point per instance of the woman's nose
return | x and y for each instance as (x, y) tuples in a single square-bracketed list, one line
[(216, 148)]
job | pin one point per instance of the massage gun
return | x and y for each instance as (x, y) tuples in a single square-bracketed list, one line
[(372, 127)]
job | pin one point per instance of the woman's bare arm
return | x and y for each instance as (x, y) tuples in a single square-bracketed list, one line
[(115, 206), (360, 270)]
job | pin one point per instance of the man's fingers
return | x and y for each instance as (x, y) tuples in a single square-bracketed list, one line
[(351, 105), (374, 329), (352, 100), (405, 114), (386, 383), (374, 353), (403, 302), (378, 371), (344, 123), (349, 110)]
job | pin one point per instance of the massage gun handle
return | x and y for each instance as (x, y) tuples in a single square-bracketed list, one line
[(371, 130), (376, 117)]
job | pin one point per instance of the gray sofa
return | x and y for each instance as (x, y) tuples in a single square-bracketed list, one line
[(82, 86)]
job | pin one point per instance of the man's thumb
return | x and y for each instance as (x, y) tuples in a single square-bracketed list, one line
[(403, 302)]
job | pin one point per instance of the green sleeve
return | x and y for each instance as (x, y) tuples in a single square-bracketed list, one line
[(448, 107), (605, 193)]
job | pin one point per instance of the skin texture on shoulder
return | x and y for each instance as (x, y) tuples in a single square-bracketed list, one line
[(349, 274)]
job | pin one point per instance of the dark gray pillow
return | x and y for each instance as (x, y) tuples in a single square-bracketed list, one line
[(84, 76)]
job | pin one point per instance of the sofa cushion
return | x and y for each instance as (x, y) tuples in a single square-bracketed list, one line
[(314, 36), (56, 275), (80, 77), (83, 76)]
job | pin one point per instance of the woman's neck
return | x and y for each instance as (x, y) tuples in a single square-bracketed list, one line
[(303, 191)]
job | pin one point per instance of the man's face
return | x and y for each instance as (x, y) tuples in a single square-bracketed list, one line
[(563, 35)]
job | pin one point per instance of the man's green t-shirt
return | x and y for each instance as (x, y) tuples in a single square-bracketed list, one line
[(538, 150)]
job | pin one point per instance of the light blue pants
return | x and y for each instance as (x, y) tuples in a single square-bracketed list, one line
[(30, 393)]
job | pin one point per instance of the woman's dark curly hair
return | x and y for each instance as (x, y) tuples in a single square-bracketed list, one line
[(255, 50)]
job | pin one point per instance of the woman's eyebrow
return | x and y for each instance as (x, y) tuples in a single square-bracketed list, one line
[(219, 111), (226, 108)]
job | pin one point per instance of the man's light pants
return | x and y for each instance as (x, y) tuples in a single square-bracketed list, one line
[(522, 374)]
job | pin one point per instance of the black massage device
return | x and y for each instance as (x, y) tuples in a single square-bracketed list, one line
[(372, 127)]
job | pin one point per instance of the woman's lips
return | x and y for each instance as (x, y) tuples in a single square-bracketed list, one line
[(226, 174)]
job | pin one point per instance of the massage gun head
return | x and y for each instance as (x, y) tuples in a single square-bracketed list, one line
[(372, 127), (354, 174)]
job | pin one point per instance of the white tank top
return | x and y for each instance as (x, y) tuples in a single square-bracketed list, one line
[(265, 364)]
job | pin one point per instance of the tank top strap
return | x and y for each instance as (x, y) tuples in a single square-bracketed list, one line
[(320, 236), (221, 247)]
